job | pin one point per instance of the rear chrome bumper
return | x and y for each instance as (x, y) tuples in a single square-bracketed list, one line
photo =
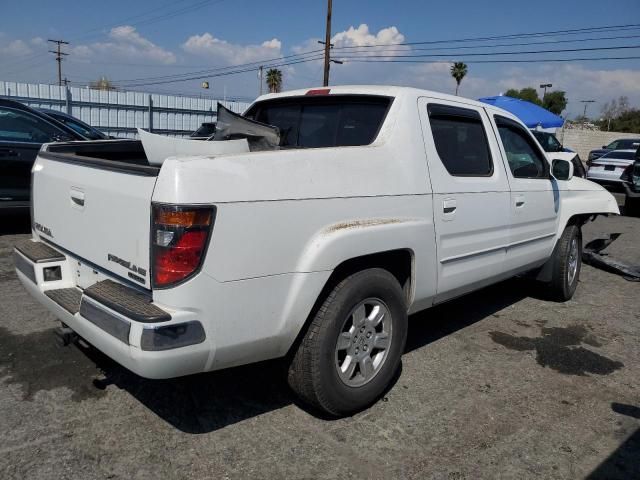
[(122, 322)]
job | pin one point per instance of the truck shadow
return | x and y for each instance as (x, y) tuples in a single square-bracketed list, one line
[(207, 402), (437, 322)]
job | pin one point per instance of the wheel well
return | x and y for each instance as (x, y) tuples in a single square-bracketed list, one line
[(397, 262)]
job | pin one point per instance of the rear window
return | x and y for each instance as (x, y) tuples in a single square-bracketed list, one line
[(620, 155), (324, 121)]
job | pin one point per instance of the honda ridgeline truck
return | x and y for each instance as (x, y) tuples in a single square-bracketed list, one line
[(376, 202)]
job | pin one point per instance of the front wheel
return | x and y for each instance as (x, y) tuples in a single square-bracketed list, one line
[(352, 348), (567, 262)]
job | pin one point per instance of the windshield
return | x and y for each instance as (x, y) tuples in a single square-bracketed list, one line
[(631, 143), (324, 121), (548, 141), (617, 155)]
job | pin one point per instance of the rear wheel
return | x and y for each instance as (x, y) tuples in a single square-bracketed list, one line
[(567, 263), (352, 348)]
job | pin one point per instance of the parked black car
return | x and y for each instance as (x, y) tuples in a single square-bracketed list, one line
[(620, 144), (23, 130), (76, 124)]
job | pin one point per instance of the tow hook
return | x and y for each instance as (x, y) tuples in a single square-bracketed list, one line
[(64, 335)]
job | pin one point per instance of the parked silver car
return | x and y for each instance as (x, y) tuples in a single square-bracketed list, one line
[(609, 168)]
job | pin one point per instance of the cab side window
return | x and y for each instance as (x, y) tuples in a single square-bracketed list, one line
[(460, 140), (524, 158), (17, 126)]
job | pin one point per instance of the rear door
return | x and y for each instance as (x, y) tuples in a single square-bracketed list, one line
[(471, 195), (535, 197)]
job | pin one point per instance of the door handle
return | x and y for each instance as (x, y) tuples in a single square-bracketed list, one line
[(519, 201), (77, 197), (449, 206)]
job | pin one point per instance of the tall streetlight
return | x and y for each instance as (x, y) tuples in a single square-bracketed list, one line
[(545, 86)]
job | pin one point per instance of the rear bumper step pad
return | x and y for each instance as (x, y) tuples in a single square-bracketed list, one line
[(67, 298), (126, 301), (39, 252)]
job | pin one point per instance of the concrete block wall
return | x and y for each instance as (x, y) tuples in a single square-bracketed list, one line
[(583, 141)]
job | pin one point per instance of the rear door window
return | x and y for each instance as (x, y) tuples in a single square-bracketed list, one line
[(328, 121), (460, 140)]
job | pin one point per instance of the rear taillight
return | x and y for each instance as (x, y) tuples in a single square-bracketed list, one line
[(179, 239)]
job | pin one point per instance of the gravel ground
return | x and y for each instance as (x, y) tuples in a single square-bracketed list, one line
[(498, 384)]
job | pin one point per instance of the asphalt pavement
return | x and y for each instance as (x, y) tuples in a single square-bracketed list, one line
[(501, 383)]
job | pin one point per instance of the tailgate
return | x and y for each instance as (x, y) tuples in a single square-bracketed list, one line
[(100, 215)]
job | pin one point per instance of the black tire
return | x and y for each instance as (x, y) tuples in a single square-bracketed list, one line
[(313, 374), (560, 287)]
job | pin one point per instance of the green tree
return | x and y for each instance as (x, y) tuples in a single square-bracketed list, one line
[(458, 71), (274, 80), (555, 101), (528, 93), (628, 121)]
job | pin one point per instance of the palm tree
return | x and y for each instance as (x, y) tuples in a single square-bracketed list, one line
[(458, 71), (274, 80)]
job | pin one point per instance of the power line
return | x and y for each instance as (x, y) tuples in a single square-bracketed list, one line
[(220, 74), (576, 31), (482, 54), (255, 66), (532, 60), (520, 44), (356, 58)]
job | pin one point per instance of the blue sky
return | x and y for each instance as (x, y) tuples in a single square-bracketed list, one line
[(127, 40)]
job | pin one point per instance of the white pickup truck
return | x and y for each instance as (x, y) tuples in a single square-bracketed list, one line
[(376, 203)]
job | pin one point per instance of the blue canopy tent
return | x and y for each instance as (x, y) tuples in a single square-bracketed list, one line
[(529, 113)]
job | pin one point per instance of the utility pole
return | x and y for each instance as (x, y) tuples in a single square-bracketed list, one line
[(260, 70), (586, 103), (584, 114), (59, 56), (327, 46)]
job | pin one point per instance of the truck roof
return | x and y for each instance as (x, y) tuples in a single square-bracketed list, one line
[(386, 90)]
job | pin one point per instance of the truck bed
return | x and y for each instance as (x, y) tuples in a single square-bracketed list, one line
[(116, 155)]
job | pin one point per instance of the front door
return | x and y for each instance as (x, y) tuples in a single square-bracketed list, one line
[(535, 198), (470, 195)]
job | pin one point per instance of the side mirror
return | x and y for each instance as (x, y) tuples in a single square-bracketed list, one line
[(604, 147), (562, 169)]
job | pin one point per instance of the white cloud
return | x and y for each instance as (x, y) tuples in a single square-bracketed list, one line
[(361, 36), (126, 43), (15, 48), (206, 45)]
